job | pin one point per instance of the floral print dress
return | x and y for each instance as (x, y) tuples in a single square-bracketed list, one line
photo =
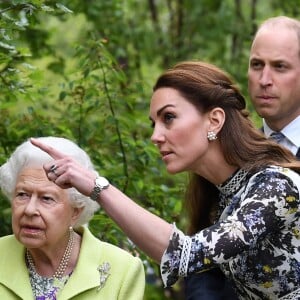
[(256, 241)]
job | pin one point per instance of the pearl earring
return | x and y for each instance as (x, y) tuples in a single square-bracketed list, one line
[(211, 136)]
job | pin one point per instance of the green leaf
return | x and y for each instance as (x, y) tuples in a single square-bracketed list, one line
[(63, 8)]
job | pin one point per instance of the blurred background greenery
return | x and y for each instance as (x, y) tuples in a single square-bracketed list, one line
[(85, 69)]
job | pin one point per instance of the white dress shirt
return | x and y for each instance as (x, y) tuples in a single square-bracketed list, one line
[(291, 133)]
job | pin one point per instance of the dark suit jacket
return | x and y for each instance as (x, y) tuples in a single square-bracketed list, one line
[(209, 285)]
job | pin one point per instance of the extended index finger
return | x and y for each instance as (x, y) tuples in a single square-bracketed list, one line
[(48, 149)]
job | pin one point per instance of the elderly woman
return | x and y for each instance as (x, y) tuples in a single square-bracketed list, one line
[(52, 254)]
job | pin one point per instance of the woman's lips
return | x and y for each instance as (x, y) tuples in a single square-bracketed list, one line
[(31, 230), (165, 154)]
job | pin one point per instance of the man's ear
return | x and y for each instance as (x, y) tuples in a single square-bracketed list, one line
[(217, 118)]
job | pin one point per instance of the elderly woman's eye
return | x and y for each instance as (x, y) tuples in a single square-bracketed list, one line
[(47, 199), (22, 195)]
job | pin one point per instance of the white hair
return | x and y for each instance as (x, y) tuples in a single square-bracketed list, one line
[(28, 155)]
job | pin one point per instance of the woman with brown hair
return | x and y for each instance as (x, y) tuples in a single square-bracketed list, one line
[(242, 199)]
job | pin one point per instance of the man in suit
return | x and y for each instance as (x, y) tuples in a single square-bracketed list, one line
[(274, 79)]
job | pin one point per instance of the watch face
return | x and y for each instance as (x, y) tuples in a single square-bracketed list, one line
[(102, 182)]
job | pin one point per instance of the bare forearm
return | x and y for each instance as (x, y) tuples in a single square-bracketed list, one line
[(149, 232)]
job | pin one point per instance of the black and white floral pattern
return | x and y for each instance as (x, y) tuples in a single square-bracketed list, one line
[(256, 240)]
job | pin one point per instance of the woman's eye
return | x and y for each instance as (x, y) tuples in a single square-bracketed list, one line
[(22, 196), (168, 117), (47, 199)]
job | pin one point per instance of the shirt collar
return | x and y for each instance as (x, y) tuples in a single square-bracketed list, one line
[(291, 131)]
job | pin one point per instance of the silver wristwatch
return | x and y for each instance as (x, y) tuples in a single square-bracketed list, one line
[(101, 183)]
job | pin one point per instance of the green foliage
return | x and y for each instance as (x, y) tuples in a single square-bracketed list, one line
[(84, 70)]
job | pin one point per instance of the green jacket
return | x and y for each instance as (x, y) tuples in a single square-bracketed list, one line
[(125, 282)]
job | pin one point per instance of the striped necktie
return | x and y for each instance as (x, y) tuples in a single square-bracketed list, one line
[(277, 136)]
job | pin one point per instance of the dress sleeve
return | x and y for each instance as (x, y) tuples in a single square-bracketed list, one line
[(269, 202)]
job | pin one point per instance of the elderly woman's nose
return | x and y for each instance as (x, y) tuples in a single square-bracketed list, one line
[(32, 206)]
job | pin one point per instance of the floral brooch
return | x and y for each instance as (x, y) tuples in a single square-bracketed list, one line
[(104, 274)]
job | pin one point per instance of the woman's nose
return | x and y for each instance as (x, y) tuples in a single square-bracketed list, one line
[(32, 206), (157, 136)]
